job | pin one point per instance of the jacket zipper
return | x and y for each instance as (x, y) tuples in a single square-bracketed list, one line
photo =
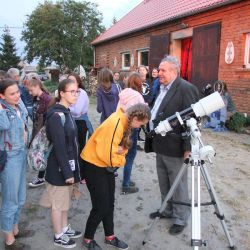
[(77, 150), (112, 143)]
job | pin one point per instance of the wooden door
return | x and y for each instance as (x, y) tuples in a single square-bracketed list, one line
[(159, 47), (205, 54)]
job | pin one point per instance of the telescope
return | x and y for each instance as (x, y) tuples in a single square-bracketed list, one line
[(203, 107)]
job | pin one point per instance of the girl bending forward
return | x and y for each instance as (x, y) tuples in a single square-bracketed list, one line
[(103, 154)]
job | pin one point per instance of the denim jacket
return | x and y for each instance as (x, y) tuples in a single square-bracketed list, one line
[(12, 127)]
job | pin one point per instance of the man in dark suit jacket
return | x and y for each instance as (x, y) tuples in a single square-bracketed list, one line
[(175, 95)]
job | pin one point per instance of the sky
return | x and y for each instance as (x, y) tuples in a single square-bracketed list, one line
[(14, 13)]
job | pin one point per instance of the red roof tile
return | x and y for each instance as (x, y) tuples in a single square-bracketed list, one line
[(152, 12)]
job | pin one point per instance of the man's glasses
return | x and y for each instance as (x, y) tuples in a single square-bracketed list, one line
[(74, 92)]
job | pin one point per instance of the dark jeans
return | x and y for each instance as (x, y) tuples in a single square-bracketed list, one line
[(82, 132), (130, 159), (101, 185)]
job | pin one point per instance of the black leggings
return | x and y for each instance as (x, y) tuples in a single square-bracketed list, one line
[(82, 132), (101, 185)]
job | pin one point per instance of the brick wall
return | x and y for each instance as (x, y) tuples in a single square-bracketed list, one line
[(235, 22)]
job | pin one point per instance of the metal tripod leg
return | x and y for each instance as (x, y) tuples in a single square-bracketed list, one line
[(218, 211), (196, 241), (167, 198)]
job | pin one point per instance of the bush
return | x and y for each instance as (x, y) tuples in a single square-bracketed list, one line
[(237, 122)]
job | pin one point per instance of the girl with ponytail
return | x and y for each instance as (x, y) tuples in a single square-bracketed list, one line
[(103, 154)]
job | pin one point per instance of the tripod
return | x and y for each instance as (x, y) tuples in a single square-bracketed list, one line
[(197, 161)]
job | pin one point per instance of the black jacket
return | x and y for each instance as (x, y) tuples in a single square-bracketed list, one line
[(179, 97), (63, 159)]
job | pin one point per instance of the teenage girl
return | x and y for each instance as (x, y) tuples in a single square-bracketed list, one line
[(131, 95), (41, 100), (14, 139), (63, 166), (107, 94), (103, 154)]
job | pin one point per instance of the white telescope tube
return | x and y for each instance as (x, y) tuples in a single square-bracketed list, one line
[(208, 105)]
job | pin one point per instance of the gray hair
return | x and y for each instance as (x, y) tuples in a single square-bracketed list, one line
[(173, 61), (12, 72)]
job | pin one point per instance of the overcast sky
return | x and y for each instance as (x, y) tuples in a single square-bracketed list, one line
[(13, 14)]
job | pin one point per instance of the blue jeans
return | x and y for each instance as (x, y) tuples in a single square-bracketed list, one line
[(13, 179), (130, 159)]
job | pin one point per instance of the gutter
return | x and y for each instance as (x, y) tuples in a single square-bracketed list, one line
[(168, 20)]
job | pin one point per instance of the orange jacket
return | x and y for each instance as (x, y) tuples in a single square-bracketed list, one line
[(102, 147)]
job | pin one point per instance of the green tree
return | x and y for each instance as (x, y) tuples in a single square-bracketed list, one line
[(8, 56), (62, 32)]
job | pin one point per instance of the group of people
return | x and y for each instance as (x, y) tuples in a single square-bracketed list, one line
[(126, 103)]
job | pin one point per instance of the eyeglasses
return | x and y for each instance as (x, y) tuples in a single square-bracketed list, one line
[(74, 92)]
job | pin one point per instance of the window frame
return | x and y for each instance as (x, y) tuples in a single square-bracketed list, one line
[(123, 60), (139, 57), (247, 51)]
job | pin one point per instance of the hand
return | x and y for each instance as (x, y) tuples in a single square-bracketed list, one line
[(186, 154), (121, 150), (70, 180)]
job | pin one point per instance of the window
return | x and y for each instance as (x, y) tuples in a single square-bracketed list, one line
[(247, 51), (126, 60), (143, 57)]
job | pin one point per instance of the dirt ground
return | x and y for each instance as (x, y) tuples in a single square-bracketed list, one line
[(230, 175)]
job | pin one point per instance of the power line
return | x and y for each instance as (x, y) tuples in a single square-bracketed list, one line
[(13, 27)]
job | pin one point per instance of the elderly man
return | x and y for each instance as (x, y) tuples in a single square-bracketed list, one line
[(14, 74), (175, 95)]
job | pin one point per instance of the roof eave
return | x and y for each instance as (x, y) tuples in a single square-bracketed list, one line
[(166, 21)]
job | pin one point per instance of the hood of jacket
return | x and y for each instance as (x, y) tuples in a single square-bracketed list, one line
[(56, 108), (108, 95)]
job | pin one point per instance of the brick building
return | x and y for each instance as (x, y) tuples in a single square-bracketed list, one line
[(211, 38)]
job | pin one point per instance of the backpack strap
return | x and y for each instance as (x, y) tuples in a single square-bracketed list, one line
[(62, 116)]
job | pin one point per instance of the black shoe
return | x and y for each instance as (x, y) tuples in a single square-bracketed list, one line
[(36, 182), (157, 214), (64, 241), (17, 246), (119, 244), (129, 190), (176, 229), (92, 245)]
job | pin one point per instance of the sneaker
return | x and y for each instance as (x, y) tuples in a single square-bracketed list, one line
[(119, 244), (161, 216), (36, 182), (17, 246), (92, 245), (64, 241), (130, 190), (73, 234)]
